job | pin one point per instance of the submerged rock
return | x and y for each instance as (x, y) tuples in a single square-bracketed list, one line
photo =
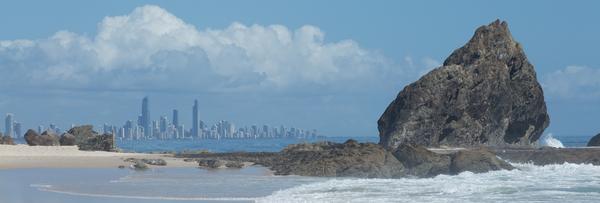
[(595, 141), (486, 93), (156, 162)]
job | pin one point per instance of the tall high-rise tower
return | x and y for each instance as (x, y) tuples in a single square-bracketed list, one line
[(146, 123), (195, 123), (175, 118), (8, 124)]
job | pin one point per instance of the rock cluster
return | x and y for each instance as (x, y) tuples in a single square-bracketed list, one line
[(155, 162), (82, 136), (88, 139), (486, 93), (6, 140), (219, 163), (47, 138)]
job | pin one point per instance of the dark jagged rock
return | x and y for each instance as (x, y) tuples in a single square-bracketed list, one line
[(45, 139), (421, 162), (66, 139), (595, 141), (486, 93), (6, 140), (477, 161), (88, 139)]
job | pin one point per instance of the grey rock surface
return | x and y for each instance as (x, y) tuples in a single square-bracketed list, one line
[(477, 161), (421, 162), (486, 93), (595, 141)]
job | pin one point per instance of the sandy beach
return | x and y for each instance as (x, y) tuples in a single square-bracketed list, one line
[(24, 156)]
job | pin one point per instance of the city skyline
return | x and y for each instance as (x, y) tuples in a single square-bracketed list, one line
[(163, 128)]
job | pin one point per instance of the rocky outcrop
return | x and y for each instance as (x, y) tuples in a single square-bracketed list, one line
[(88, 139), (47, 138), (486, 93), (363, 160), (66, 139), (6, 140), (421, 162), (351, 159), (595, 141)]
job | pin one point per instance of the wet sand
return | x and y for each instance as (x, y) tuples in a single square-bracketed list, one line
[(24, 156)]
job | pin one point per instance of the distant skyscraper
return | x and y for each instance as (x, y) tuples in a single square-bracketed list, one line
[(9, 130), (146, 122), (18, 129), (163, 124), (195, 123), (175, 118)]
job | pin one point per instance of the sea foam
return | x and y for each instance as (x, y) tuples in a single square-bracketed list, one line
[(549, 141), (527, 183)]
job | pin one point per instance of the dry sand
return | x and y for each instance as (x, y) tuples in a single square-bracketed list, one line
[(24, 156)]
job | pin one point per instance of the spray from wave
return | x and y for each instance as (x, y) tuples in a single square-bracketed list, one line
[(549, 141)]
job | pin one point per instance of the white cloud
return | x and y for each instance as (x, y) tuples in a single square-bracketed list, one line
[(151, 49), (578, 82)]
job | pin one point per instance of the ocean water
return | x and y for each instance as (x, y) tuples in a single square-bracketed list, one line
[(225, 145), (528, 183)]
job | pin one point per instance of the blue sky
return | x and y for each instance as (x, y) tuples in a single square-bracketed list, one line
[(329, 65)]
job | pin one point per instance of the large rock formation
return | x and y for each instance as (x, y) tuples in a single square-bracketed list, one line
[(45, 139), (486, 93), (88, 139), (595, 141)]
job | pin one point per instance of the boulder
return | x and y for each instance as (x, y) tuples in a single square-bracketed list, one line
[(486, 93), (477, 161), (45, 139), (67, 139), (595, 141), (139, 165), (421, 162)]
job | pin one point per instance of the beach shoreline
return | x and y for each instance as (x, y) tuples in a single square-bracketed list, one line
[(24, 156)]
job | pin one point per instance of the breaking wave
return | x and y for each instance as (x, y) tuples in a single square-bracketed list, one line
[(549, 141), (527, 183)]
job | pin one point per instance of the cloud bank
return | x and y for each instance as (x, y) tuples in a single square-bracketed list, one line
[(573, 82), (150, 49)]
